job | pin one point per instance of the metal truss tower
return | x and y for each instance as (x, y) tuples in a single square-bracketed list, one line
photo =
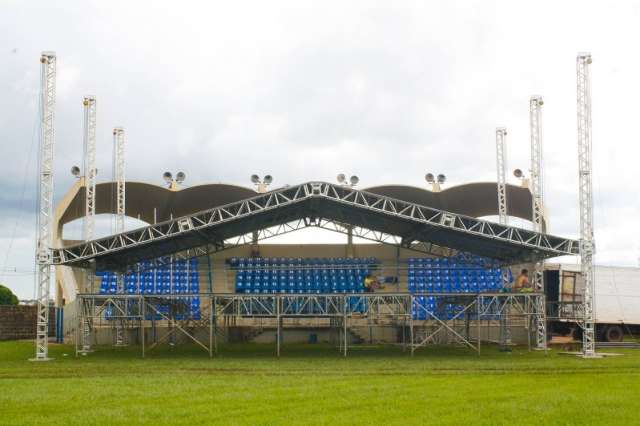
[(537, 204), (90, 175), (501, 165), (90, 171), (118, 176), (587, 246), (45, 201), (501, 140), (119, 179)]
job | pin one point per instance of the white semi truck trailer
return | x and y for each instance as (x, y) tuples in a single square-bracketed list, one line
[(617, 300)]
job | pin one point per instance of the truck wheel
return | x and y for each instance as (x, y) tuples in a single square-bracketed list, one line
[(613, 333)]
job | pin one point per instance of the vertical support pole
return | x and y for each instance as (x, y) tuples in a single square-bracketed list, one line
[(411, 301), (78, 318), (278, 327), (143, 309), (215, 324), (210, 327), (45, 202), (479, 327), (587, 244), (344, 321), (537, 202)]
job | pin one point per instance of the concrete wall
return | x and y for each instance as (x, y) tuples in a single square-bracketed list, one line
[(19, 322)]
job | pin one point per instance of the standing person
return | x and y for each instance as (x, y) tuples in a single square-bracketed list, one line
[(370, 283), (522, 282)]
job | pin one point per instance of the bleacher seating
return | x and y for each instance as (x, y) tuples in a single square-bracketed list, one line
[(435, 275), (163, 278), (301, 275)]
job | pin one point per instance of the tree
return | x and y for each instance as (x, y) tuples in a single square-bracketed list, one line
[(7, 297)]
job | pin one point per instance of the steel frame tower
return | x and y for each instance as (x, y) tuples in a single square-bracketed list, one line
[(501, 154), (90, 175), (90, 171), (501, 165), (587, 245), (537, 204), (45, 201), (119, 179), (118, 176)]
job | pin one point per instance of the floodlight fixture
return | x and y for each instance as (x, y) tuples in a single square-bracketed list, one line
[(180, 177), (261, 184), (435, 181), (75, 170), (342, 178), (518, 173), (167, 176), (354, 180)]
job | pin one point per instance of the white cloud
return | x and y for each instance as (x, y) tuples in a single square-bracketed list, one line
[(387, 90)]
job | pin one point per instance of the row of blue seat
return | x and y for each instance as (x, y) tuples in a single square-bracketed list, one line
[(266, 262), (308, 276), (161, 277)]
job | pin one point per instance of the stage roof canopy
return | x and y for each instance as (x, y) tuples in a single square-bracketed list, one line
[(367, 214)]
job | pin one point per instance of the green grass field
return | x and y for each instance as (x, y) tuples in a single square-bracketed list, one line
[(246, 384)]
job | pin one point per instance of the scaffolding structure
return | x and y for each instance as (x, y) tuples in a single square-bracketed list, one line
[(587, 245), (155, 319), (89, 179), (333, 207), (537, 200), (45, 201)]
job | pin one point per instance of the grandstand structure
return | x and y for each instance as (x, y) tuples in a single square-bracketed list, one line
[(201, 270), (442, 270)]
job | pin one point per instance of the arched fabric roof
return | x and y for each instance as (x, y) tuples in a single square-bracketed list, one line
[(472, 199), (152, 203)]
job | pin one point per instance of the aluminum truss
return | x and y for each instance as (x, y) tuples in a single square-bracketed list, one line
[(503, 216), (501, 166), (89, 165), (587, 245), (537, 192), (90, 176), (202, 225), (45, 201), (118, 176)]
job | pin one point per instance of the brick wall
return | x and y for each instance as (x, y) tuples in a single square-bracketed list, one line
[(19, 322)]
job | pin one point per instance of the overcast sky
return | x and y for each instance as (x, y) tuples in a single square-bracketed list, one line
[(305, 90)]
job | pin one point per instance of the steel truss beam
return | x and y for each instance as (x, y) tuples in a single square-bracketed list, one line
[(211, 225)]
